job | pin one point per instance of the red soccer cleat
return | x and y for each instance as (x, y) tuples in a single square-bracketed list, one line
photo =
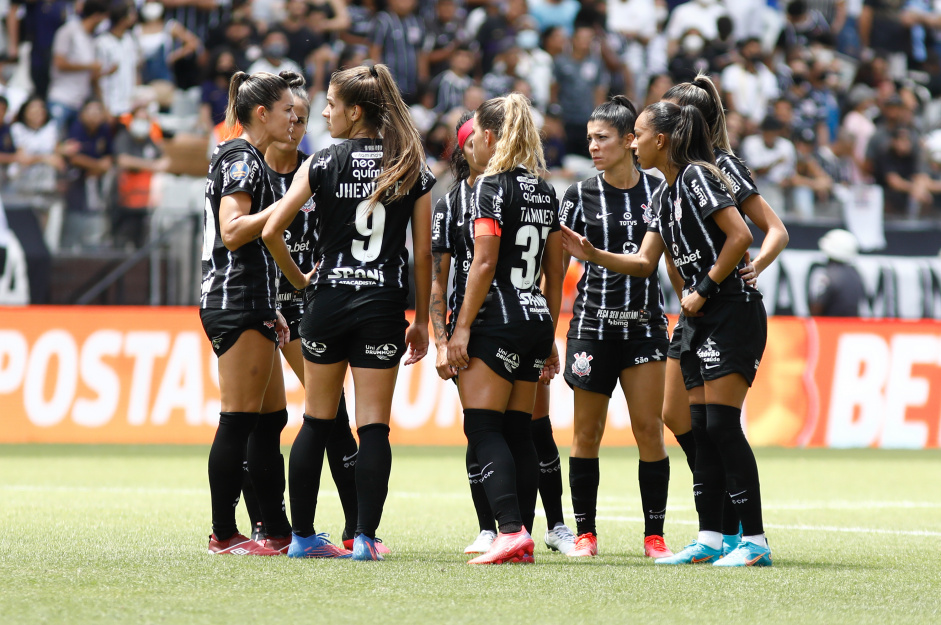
[(515, 547), (238, 545), (655, 547), (585, 546), (278, 544)]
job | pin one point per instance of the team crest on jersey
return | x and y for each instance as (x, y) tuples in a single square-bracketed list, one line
[(582, 365), (677, 209), (238, 171), (309, 205), (270, 324), (648, 213)]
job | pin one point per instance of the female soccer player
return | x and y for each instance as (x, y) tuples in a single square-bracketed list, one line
[(505, 329), (450, 215), (702, 94), (699, 225), (365, 191), (237, 309), (282, 161), (618, 330)]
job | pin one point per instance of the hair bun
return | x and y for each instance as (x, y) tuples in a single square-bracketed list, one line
[(293, 79)]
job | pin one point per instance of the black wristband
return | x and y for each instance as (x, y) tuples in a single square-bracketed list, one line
[(707, 287)]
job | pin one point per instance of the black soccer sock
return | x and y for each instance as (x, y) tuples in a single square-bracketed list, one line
[(654, 479), (550, 471), (266, 467), (687, 443), (484, 431), (730, 522), (741, 470), (517, 430), (478, 495), (584, 475), (249, 497), (225, 469), (372, 476), (304, 469), (341, 455), (709, 474)]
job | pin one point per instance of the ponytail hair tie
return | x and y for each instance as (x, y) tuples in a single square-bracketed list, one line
[(374, 71)]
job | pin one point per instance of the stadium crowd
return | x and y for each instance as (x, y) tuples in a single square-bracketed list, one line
[(823, 96)]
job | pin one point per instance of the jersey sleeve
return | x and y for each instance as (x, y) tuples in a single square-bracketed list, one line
[(653, 212), (743, 187), (569, 212), (317, 170), (424, 183), (441, 220), (489, 197), (241, 171), (707, 191), (554, 227)]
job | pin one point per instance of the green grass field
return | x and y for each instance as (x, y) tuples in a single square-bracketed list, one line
[(115, 534)]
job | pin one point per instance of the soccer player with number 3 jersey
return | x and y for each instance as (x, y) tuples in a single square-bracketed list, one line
[(366, 190), (505, 328)]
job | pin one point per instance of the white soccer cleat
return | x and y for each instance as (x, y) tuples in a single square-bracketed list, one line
[(482, 543), (560, 538)]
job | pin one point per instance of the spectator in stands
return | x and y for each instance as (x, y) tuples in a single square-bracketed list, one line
[(748, 86), (689, 60), (198, 17), (118, 51), (810, 182), (215, 89), (38, 25), (138, 158), (503, 20), (881, 28), (14, 94), (771, 159), (657, 85), (894, 114), (326, 20), (274, 49), (836, 289), (240, 37), (443, 35), (499, 80), (581, 84), (397, 40), (35, 137), (536, 65), (720, 52), (550, 13), (75, 70), (803, 27), (450, 86), (699, 15), (162, 43), (362, 14), (900, 173), (88, 152), (7, 148), (301, 39)]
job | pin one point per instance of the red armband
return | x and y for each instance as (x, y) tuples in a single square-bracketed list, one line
[(486, 226)]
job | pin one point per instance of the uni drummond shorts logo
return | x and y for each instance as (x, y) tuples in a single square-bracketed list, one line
[(510, 360), (315, 348), (582, 365), (382, 352)]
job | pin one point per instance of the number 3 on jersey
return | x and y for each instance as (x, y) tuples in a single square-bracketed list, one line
[(532, 240), (371, 227)]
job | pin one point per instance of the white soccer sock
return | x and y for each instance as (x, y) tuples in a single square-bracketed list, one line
[(759, 540), (713, 540)]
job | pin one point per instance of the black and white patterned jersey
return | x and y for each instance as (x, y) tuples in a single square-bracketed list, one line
[(451, 214), (300, 236), (692, 239), (609, 304), (356, 247), (527, 210), (246, 278), (743, 187)]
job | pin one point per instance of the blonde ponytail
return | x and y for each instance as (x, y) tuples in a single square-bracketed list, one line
[(518, 141)]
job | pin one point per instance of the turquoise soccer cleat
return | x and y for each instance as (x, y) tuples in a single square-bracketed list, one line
[(747, 554), (694, 553)]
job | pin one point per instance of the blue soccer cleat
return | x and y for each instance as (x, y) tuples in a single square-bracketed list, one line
[(747, 554), (730, 543), (364, 549), (315, 546), (694, 553)]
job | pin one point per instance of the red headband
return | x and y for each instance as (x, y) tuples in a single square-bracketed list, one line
[(465, 132)]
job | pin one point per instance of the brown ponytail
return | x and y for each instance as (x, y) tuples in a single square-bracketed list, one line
[(703, 94), (248, 91), (403, 157), (510, 118)]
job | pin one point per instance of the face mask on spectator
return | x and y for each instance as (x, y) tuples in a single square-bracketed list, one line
[(139, 128), (527, 39), (275, 50), (151, 11), (692, 44)]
